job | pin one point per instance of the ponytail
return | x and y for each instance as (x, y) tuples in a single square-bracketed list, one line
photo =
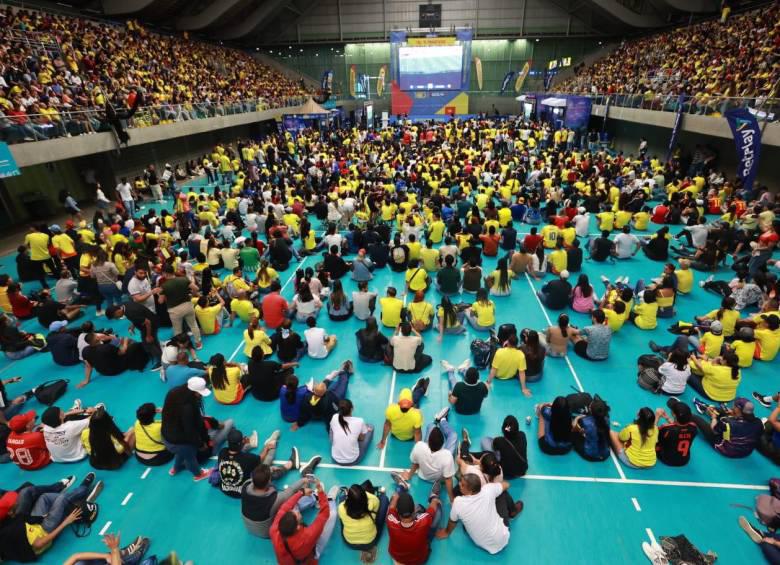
[(291, 384), (345, 409), (563, 324)]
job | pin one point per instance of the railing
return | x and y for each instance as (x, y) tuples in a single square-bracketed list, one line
[(39, 127)]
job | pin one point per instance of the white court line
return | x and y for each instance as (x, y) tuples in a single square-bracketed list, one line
[(105, 528), (146, 473), (573, 372), (651, 536), (127, 499), (389, 401), (635, 502)]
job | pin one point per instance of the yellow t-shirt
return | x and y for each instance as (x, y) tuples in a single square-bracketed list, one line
[(244, 309), (403, 424), (5, 304), (391, 310), (362, 530), (39, 246), (684, 280), (745, 351), (436, 231), (34, 533), (710, 344), (148, 438), (260, 339), (640, 454), (646, 316), (615, 321), (717, 382), (550, 235), (430, 259), (272, 275), (417, 279), (507, 362), (485, 313), (606, 220), (641, 220), (421, 311), (558, 259), (64, 244), (769, 341), (207, 318), (228, 394), (729, 320)]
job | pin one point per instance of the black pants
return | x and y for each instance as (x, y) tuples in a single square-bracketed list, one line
[(161, 458), (765, 446), (578, 442), (687, 235), (547, 449), (41, 272), (718, 287)]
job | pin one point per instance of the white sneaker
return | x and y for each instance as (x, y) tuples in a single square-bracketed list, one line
[(253, 440), (76, 404), (709, 279), (274, 437), (447, 366), (463, 367), (625, 280), (656, 556), (605, 279), (68, 481), (310, 384)]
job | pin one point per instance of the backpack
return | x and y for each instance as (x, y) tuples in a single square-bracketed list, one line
[(49, 392), (650, 379), (398, 255), (768, 506), (89, 513), (483, 351)]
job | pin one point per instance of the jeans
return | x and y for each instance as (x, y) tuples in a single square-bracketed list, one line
[(450, 435), (28, 495), (129, 206), (338, 384), (472, 320), (110, 293), (327, 530), (11, 410), (185, 457), (52, 506), (21, 354)]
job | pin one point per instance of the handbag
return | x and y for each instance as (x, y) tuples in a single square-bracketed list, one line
[(49, 392)]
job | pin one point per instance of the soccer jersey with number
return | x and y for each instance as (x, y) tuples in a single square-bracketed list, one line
[(28, 450), (674, 443)]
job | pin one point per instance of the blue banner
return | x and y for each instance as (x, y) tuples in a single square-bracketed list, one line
[(747, 137), (507, 79), (577, 111), (8, 166), (677, 125), (326, 83)]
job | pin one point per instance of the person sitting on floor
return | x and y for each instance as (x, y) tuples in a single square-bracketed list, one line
[(675, 438), (406, 350), (732, 432), (555, 426), (635, 444)]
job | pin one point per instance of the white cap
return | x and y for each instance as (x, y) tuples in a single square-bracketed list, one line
[(564, 275), (198, 384)]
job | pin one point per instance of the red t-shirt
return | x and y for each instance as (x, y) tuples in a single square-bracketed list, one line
[(659, 214), (490, 244), (28, 450), (531, 242), (410, 544), (21, 306), (768, 238), (274, 307)]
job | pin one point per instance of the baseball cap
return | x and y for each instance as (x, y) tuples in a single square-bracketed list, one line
[(745, 405), (405, 504), (405, 398), (57, 325), (235, 438), (7, 502), (55, 228), (564, 274), (198, 384), (19, 422), (716, 327)]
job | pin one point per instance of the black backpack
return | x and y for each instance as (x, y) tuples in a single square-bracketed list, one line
[(49, 392), (89, 513), (483, 350)]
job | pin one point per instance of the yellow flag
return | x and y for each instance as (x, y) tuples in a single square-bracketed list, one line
[(478, 70), (352, 80), (521, 76), (380, 83)]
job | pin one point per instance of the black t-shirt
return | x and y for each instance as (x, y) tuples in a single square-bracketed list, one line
[(557, 292), (379, 254), (469, 397), (574, 259), (234, 470), (104, 358), (265, 379), (674, 443), (138, 314), (13, 542), (471, 253), (335, 265), (602, 248), (514, 458), (449, 280), (63, 348), (48, 312), (257, 507), (373, 348), (287, 349)]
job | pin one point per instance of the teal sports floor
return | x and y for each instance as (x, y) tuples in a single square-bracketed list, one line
[(575, 511)]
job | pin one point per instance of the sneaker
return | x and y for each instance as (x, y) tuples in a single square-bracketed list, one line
[(95, 492), (29, 394), (709, 279), (76, 405), (465, 435), (253, 440), (311, 465), (368, 556), (100, 405), (273, 438), (88, 480), (447, 366), (347, 367), (333, 492), (441, 414), (701, 284), (295, 458), (701, 407), (463, 367), (653, 555), (435, 490), (654, 347), (422, 383), (761, 400), (399, 480), (157, 366), (605, 279), (204, 474), (310, 384), (134, 552), (753, 533), (625, 280), (68, 481)]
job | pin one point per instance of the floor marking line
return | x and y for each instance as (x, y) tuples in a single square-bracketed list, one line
[(127, 499), (146, 473), (573, 372), (105, 528), (635, 502), (651, 536)]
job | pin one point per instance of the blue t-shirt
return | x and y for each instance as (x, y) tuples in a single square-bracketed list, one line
[(548, 437), (598, 341), (290, 412), (594, 447), (178, 375)]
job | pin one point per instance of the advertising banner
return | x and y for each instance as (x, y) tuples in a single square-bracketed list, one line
[(747, 138), (505, 82), (521, 76)]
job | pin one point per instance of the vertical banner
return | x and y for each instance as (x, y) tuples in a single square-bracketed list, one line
[(8, 167), (478, 70), (505, 82), (521, 74), (577, 112), (677, 125), (352, 80), (747, 137), (326, 83), (380, 81)]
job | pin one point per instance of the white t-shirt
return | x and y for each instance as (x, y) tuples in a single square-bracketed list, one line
[(699, 234), (432, 464), (138, 286), (124, 191), (676, 380), (333, 239), (480, 518), (360, 304), (581, 224), (625, 244), (64, 441), (315, 339), (404, 348), (344, 445)]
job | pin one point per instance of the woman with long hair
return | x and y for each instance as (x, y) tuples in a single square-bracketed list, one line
[(481, 315), (227, 380), (339, 306), (265, 377), (510, 448), (557, 337), (635, 444), (371, 343), (350, 436), (254, 336), (420, 312), (106, 276), (362, 514), (502, 281), (555, 429), (107, 446), (716, 379), (266, 274), (591, 430), (535, 353), (305, 305), (582, 295), (291, 395), (450, 318)]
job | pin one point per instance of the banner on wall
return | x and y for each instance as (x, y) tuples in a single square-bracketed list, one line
[(577, 112), (326, 83), (521, 76), (478, 70), (429, 41), (8, 167), (505, 82), (747, 138), (380, 81), (352, 80), (676, 129)]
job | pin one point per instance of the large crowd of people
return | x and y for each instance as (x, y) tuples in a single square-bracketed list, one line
[(432, 205), (62, 75), (708, 62)]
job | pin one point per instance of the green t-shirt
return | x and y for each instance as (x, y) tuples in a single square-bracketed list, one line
[(177, 291), (250, 257)]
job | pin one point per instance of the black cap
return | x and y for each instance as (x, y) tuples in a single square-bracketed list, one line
[(235, 438), (405, 505)]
